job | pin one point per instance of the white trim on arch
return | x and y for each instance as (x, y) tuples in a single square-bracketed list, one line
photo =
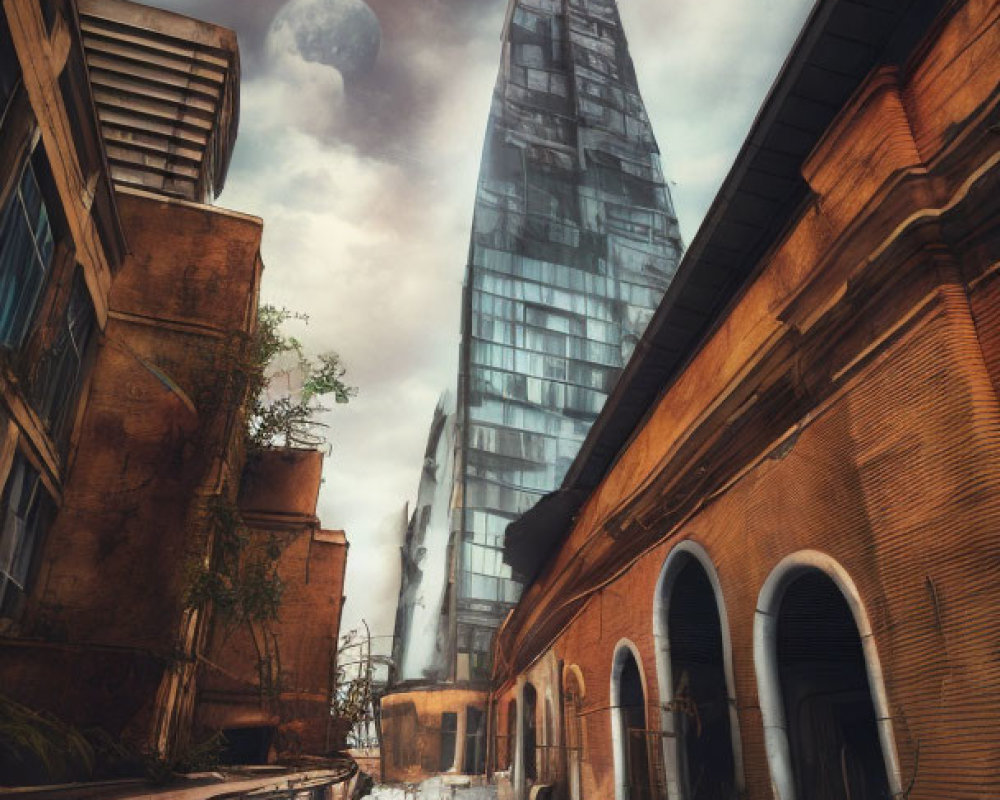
[(661, 636), (624, 646), (765, 630)]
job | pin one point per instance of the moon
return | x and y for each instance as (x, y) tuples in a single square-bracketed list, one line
[(344, 34)]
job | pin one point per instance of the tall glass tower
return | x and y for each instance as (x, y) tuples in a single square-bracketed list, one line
[(574, 242)]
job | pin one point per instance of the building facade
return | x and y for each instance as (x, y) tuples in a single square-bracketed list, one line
[(574, 243), (773, 569), (128, 304)]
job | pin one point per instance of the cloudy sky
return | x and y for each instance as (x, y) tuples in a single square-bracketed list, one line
[(359, 144)]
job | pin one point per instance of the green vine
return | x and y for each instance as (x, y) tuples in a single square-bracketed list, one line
[(241, 580), (290, 418)]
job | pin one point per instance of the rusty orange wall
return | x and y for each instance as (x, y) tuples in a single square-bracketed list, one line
[(429, 704), (113, 570), (895, 472), (312, 567), (281, 480)]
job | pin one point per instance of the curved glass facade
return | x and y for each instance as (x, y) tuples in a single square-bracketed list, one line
[(574, 242)]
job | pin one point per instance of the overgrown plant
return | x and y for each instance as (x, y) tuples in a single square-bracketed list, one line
[(290, 418), (32, 742), (241, 579)]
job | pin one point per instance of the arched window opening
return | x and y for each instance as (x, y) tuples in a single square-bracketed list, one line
[(830, 719), (573, 733), (511, 740), (529, 738), (634, 779), (700, 698)]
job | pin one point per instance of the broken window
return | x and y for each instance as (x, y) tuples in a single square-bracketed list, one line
[(26, 510), (27, 245), (58, 377)]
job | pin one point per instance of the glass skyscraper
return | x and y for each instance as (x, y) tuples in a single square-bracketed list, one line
[(574, 242)]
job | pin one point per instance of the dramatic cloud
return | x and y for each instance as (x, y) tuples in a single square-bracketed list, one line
[(365, 182)]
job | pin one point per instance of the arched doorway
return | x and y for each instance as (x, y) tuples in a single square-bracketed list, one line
[(629, 731), (529, 736), (820, 686), (696, 679), (573, 731), (511, 741)]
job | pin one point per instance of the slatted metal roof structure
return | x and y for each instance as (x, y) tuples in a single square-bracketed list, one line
[(841, 42), (166, 88)]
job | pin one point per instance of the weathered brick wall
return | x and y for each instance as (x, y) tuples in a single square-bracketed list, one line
[(278, 501), (156, 434)]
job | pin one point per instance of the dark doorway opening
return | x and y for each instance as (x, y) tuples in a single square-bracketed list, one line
[(511, 734), (246, 746), (475, 750), (632, 708), (700, 695), (449, 737), (530, 738), (832, 730)]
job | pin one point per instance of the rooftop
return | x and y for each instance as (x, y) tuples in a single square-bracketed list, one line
[(166, 89)]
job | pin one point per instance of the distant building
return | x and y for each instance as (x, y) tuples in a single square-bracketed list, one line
[(771, 572), (574, 242), (127, 305)]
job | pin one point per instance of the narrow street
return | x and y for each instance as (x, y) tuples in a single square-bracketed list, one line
[(439, 788)]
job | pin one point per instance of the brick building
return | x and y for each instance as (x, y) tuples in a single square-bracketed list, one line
[(772, 569), (127, 304), (287, 706)]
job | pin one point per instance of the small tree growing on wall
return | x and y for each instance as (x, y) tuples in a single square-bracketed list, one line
[(288, 417)]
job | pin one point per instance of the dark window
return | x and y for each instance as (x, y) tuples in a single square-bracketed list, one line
[(449, 735), (632, 708), (26, 247), (528, 734), (511, 734), (25, 511), (59, 377), (10, 69)]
